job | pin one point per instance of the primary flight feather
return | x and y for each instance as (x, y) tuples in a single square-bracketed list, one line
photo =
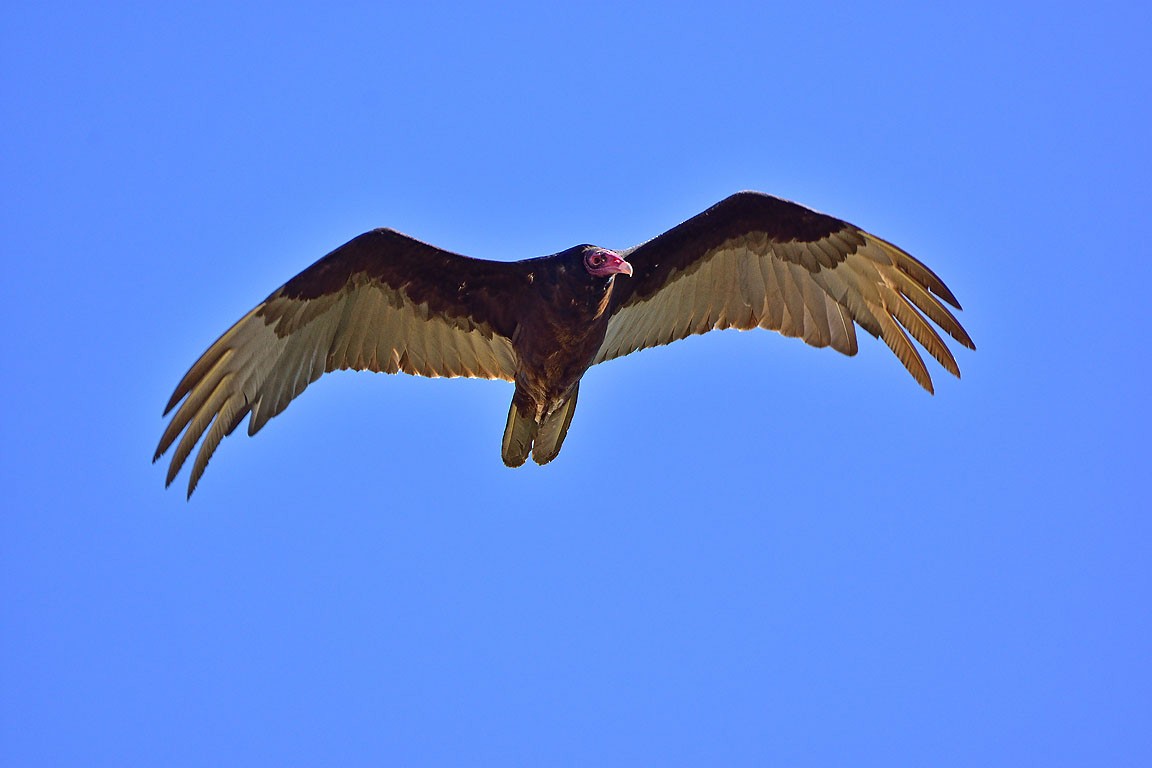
[(386, 302)]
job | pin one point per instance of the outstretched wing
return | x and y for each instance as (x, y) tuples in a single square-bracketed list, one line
[(381, 302), (754, 260)]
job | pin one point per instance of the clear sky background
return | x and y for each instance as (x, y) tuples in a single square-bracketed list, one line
[(750, 552)]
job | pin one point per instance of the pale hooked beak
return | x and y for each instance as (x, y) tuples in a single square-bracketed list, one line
[(620, 266)]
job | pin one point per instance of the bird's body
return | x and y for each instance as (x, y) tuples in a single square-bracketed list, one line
[(562, 328), (386, 302)]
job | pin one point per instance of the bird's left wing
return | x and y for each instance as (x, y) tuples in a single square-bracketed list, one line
[(754, 260), (381, 302)]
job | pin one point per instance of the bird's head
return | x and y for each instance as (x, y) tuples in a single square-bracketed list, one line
[(601, 262)]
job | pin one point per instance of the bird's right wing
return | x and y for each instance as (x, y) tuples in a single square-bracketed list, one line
[(754, 260), (382, 302)]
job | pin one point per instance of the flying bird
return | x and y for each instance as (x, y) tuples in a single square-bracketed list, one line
[(386, 302)]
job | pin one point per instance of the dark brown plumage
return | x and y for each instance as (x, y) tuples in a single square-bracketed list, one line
[(386, 302)]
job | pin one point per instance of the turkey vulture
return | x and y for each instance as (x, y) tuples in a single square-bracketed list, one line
[(386, 302)]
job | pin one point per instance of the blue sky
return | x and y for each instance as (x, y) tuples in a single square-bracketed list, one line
[(750, 552)]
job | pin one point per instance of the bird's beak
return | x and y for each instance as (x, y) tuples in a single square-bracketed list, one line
[(623, 267)]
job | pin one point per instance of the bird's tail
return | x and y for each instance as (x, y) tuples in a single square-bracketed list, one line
[(518, 435), (553, 430), (524, 435)]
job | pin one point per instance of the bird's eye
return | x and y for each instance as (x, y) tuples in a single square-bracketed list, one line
[(596, 259)]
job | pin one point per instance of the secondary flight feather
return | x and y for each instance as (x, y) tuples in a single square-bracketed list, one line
[(386, 302)]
